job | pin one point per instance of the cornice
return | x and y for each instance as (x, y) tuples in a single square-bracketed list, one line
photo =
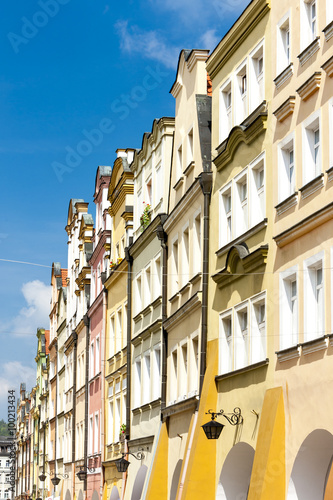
[(286, 109), (238, 33), (311, 86), (101, 242), (328, 66), (304, 226), (247, 132), (119, 198)]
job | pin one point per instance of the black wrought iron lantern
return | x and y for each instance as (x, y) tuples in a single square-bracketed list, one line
[(122, 464), (42, 477), (55, 480), (213, 429), (82, 474)]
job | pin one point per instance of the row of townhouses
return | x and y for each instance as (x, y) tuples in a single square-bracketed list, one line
[(198, 292)]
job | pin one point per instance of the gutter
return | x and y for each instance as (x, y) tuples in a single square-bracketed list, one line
[(74, 335), (129, 260)]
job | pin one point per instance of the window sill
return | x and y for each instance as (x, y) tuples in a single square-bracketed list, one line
[(179, 407), (285, 75), (137, 318), (330, 174), (312, 186), (179, 183), (147, 406), (328, 67), (286, 109), (195, 278), (174, 298), (314, 345), (242, 237), (245, 369), (146, 310), (310, 87), (286, 204), (189, 168), (157, 302), (289, 353), (309, 51), (328, 31), (184, 289)]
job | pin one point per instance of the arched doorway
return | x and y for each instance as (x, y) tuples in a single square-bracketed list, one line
[(139, 483), (310, 469), (235, 477)]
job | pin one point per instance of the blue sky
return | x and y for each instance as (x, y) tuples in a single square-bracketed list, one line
[(78, 79)]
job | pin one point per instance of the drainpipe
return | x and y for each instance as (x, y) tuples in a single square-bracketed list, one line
[(103, 363), (163, 237), (74, 334), (206, 180), (86, 321), (129, 260)]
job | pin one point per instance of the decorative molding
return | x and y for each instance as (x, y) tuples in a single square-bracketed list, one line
[(293, 352), (328, 66), (310, 87), (250, 261), (330, 174), (174, 298), (247, 132), (185, 288), (178, 183), (330, 339), (245, 236), (286, 204), (245, 369), (189, 307), (179, 407), (286, 109), (284, 76), (195, 278), (314, 345), (189, 168), (312, 186), (328, 31), (235, 37), (304, 226), (309, 51)]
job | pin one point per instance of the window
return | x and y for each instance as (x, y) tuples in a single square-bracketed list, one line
[(314, 320), (245, 194), (97, 356), (158, 184), (283, 44), (174, 273), (112, 335), (91, 430), (286, 168), (288, 308), (225, 111), (110, 423), (138, 295), (197, 259), (157, 277), (241, 97), (242, 338), (137, 383), (329, 11), (96, 435), (124, 336), (156, 372), (183, 371), (185, 271), (194, 366), (149, 191), (190, 146), (179, 161), (140, 207), (173, 387), (92, 360), (119, 329), (146, 378), (147, 286), (311, 149), (308, 22), (117, 419)]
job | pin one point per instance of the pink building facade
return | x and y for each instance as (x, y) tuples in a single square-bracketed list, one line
[(99, 262)]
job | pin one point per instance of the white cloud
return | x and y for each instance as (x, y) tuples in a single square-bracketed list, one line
[(36, 314), (209, 40), (149, 44), (12, 374)]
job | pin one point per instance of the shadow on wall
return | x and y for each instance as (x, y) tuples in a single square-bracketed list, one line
[(114, 494), (139, 483), (175, 480), (236, 472)]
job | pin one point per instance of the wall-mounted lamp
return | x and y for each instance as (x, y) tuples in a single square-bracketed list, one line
[(55, 480), (122, 464), (213, 429), (82, 474)]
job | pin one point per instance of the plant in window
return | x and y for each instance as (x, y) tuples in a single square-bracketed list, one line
[(122, 432), (145, 217), (112, 264)]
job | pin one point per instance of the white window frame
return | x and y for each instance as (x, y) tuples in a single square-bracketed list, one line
[(173, 379), (257, 193), (190, 146), (308, 33), (241, 203), (312, 166), (241, 92), (289, 304), (241, 336), (179, 159), (156, 371), (158, 184), (258, 336), (283, 48), (147, 285), (138, 294), (226, 348), (157, 276), (226, 110), (329, 11), (314, 313), (174, 265), (137, 381), (146, 377), (226, 228), (197, 243), (185, 254), (112, 334), (287, 185)]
